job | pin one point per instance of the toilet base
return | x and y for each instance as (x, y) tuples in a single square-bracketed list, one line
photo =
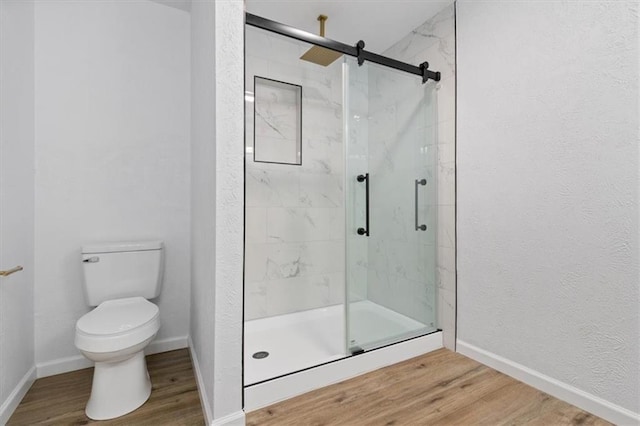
[(118, 387)]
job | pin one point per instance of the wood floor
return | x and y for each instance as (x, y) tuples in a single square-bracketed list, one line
[(60, 400), (440, 388)]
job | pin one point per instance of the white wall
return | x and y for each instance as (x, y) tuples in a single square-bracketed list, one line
[(16, 202), (295, 215), (217, 206), (548, 191), (112, 153), (203, 198)]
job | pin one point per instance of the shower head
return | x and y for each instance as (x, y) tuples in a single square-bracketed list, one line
[(320, 55)]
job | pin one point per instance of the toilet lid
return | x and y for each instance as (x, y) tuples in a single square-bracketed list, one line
[(118, 316)]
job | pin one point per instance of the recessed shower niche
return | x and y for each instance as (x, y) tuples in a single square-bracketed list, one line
[(277, 114)]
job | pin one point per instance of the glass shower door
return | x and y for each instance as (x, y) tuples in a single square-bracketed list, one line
[(390, 145)]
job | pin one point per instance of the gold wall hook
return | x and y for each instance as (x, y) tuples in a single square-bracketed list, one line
[(11, 271)]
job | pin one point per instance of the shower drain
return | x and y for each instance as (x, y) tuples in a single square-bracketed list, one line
[(261, 354)]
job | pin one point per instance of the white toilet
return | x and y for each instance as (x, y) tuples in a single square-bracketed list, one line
[(118, 279)]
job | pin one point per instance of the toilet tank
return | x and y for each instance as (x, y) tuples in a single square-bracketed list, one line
[(122, 269)]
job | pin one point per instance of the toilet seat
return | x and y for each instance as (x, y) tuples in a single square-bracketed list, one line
[(117, 324)]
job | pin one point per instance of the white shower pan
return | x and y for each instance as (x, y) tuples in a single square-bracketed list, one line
[(307, 350)]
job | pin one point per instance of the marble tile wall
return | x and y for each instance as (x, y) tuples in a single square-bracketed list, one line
[(294, 238), (433, 41)]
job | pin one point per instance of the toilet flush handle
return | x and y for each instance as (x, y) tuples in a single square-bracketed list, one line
[(93, 259)]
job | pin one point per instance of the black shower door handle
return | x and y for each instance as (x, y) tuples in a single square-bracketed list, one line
[(419, 182), (365, 178)]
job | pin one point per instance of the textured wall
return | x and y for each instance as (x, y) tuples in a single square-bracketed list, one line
[(295, 215), (229, 36), (112, 152), (548, 190), (434, 41), (217, 134), (16, 194)]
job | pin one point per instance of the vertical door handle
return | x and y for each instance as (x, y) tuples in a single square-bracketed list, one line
[(365, 178), (419, 182)]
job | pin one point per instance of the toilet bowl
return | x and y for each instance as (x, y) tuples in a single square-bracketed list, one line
[(114, 336)]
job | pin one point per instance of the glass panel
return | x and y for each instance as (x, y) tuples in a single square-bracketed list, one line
[(390, 125), (294, 214)]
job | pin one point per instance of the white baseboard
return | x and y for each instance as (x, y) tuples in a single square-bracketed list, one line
[(233, 419), (78, 362), (62, 365), (263, 394), (581, 399), (202, 391), (13, 400), (166, 345)]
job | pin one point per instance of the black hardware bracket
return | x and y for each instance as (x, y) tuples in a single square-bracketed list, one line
[(426, 74), (356, 350), (355, 51), (360, 52)]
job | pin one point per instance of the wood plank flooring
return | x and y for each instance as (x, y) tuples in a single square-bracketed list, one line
[(60, 400), (440, 388)]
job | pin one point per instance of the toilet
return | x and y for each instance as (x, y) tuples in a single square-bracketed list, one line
[(119, 278)]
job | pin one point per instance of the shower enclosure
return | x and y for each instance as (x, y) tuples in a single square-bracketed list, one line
[(340, 201)]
